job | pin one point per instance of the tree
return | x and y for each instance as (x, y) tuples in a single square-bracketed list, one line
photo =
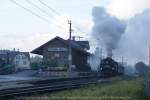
[(142, 68)]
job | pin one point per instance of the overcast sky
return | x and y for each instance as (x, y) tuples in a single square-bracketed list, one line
[(21, 29)]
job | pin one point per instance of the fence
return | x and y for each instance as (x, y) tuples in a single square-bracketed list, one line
[(147, 89), (147, 84)]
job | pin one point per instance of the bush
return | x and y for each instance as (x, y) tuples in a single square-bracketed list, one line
[(7, 69), (36, 66), (142, 68), (52, 63), (2, 63)]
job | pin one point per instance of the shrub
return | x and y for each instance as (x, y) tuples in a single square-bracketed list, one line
[(141, 68), (52, 63), (7, 69), (36, 66)]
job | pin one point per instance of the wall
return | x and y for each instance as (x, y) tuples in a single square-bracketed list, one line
[(59, 56), (21, 61)]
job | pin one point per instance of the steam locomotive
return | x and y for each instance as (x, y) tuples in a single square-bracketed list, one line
[(109, 68)]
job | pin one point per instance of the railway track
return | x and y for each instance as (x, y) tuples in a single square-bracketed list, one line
[(44, 87)]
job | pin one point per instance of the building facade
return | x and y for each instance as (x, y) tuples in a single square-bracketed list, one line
[(21, 60)]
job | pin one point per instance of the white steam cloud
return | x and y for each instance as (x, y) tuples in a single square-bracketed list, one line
[(130, 40), (134, 43)]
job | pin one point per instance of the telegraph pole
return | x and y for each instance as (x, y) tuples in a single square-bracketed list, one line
[(101, 54), (122, 60), (70, 51), (149, 55), (7, 52)]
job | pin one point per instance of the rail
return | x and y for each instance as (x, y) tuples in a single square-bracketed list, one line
[(47, 86)]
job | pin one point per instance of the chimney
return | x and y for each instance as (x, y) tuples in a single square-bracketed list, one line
[(18, 50), (73, 38), (149, 55), (14, 49), (110, 54)]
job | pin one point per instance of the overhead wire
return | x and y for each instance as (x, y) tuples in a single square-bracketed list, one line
[(58, 14), (43, 18), (53, 10), (33, 13), (45, 12)]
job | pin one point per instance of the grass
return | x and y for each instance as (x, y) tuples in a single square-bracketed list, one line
[(118, 89)]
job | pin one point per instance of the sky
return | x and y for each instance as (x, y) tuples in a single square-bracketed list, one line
[(21, 29)]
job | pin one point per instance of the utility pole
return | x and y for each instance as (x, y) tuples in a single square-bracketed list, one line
[(101, 54), (70, 51), (149, 55), (122, 60), (7, 60), (80, 37)]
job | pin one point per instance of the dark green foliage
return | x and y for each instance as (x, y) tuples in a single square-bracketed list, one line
[(36, 66), (7, 69), (142, 68), (52, 63), (2, 63)]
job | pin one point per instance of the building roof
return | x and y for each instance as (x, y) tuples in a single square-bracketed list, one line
[(12, 54), (84, 44), (78, 45)]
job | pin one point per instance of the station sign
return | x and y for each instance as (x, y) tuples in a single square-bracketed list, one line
[(57, 49)]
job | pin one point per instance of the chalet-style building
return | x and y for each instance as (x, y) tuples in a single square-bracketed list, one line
[(22, 60), (55, 53)]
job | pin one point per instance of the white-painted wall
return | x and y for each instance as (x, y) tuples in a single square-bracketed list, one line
[(21, 61)]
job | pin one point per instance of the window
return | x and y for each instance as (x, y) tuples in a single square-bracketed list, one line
[(18, 57), (17, 63), (57, 49), (23, 57)]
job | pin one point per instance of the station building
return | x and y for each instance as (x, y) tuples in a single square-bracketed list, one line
[(55, 54)]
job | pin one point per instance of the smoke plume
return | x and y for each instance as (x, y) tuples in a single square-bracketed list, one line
[(107, 29), (134, 43)]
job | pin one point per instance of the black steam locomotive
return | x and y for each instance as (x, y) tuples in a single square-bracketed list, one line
[(109, 68)]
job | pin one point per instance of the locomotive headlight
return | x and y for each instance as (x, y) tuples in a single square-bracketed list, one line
[(101, 69), (113, 68)]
